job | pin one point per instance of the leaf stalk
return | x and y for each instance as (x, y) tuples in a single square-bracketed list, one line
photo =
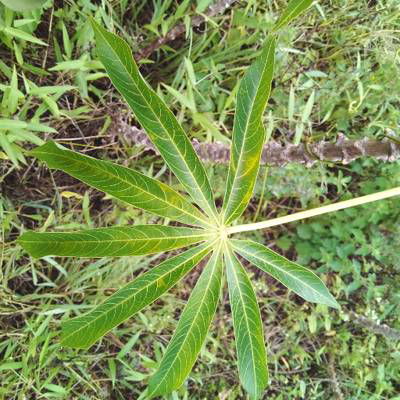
[(315, 211)]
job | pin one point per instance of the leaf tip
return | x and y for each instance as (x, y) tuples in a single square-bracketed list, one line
[(334, 304)]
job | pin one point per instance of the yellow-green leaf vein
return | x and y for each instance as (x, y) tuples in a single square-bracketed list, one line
[(159, 122), (248, 132), (83, 331), (249, 337), (191, 331), (111, 242), (294, 276), (122, 183)]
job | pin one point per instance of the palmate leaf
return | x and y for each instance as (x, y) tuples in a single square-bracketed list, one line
[(248, 132), (111, 242), (191, 331), (249, 337), (159, 122), (295, 277), (83, 331), (122, 183), (134, 188), (293, 10)]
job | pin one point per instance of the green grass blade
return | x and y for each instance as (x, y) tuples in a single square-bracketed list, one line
[(191, 331), (292, 11), (111, 242), (295, 277), (249, 336), (160, 123), (249, 132), (83, 331), (122, 183)]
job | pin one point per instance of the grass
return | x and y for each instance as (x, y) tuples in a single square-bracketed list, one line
[(336, 72)]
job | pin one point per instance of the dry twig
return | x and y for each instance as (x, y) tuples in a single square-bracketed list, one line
[(374, 327)]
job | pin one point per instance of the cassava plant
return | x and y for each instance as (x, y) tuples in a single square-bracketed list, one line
[(203, 226)]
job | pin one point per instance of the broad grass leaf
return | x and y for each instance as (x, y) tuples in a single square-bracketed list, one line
[(122, 183), (111, 242), (248, 132), (159, 122), (191, 331), (295, 277), (85, 330), (20, 34), (248, 327)]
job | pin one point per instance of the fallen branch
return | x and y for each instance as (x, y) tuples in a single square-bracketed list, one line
[(217, 8), (374, 327), (343, 151)]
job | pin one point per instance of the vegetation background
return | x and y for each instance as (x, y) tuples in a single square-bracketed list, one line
[(337, 71)]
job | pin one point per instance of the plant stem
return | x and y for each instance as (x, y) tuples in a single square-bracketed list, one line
[(315, 211), (275, 153)]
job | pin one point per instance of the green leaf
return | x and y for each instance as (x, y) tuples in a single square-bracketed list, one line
[(14, 124), (122, 183), (23, 5), (83, 331), (249, 337), (293, 10), (17, 33), (8, 148), (295, 277), (160, 123), (191, 331), (248, 132), (111, 242)]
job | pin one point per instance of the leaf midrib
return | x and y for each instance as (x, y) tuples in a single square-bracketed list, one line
[(135, 186), (140, 291), (282, 270), (112, 240), (234, 180), (212, 212), (218, 253), (288, 17), (246, 318)]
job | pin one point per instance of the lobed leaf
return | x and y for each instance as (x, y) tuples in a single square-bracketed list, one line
[(191, 331), (295, 277), (111, 242), (292, 11), (122, 183), (160, 123), (85, 330), (249, 336), (248, 132)]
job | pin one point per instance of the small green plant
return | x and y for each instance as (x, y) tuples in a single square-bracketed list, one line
[(204, 226), (22, 102)]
